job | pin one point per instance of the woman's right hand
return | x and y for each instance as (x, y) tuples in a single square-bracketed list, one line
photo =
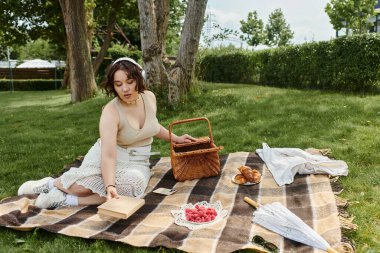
[(112, 193)]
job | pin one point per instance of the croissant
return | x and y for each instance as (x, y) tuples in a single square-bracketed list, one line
[(247, 173), (251, 175), (240, 179), (256, 176)]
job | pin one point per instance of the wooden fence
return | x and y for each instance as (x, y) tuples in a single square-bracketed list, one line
[(28, 73)]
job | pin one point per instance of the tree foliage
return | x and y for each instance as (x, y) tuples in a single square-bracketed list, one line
[(16, 27), (278, 32), (219, 33), (252, 29), (350, 14), (176, 13), (40, 49), (43, 19), (26, 20), (106, 23), (126, 15)]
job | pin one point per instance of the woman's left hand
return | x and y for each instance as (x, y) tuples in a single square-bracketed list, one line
[(185, 139), (112, 192)]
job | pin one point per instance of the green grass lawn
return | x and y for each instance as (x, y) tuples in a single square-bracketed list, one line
[(41, 131)]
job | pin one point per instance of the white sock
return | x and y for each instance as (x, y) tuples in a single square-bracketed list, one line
[(71, 200), (51, 184)]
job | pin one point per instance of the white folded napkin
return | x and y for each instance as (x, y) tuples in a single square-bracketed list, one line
[(285, 163)]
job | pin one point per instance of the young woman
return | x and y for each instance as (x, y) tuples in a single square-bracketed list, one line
[(118, 163)]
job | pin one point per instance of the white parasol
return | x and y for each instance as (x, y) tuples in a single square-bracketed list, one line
[(281, 220)]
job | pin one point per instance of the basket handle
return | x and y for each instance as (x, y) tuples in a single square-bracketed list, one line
[(177, 122), (201, 151)]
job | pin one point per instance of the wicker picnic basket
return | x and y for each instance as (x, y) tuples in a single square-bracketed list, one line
[(194, 160)]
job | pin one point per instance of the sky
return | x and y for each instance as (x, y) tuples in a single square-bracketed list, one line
[(307, 18)]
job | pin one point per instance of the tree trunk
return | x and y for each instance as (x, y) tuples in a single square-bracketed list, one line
[(107, 37), (162, 8), (151, 49), (66, 74), (153, 36), (82, 81), (183, 69)]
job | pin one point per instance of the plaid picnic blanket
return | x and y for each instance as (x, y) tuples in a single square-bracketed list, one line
[(309, 196)]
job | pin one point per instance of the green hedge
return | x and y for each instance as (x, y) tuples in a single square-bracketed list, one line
[(347, 64), (227, 64), (228, 67), (30, 85)]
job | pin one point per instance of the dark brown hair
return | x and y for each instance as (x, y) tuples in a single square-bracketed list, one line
[(130, 69)]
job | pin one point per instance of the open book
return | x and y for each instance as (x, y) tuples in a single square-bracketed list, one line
[(122, 207)]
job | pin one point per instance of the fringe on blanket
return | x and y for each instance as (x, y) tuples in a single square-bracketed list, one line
[(345, 219)]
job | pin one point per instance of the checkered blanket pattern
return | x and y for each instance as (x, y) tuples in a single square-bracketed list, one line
[(309, 196)]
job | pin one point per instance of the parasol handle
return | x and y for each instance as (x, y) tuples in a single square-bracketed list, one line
[(331, 250), (252, 203)]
